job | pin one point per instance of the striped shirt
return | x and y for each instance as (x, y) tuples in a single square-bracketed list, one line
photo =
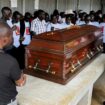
[(38, 26)]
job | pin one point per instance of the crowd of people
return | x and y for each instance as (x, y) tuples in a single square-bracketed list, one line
[(23, 29)]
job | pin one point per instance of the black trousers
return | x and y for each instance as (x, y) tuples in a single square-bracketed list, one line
[(21, 56)]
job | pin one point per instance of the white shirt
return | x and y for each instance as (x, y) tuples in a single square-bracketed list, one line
[(64, 25), (56, 26), (38, 26), (63, 20), (77, 22), (80, 23), (89, 23), (95, 24), (9, 22), (102, 25), (27, 35), (16, 35)]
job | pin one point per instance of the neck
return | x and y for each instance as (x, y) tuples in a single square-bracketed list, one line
[(40, 19), (4, 19)]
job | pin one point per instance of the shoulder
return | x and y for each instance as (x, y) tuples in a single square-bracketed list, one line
[(49, 24), (102, 24), (9, 59), (44, 21), (17, 24), (58, 24), (35, 20)]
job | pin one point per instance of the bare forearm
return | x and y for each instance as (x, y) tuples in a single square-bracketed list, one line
[(21, 81)]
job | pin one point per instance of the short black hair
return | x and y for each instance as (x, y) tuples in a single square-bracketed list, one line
[(35, 14), (55, 12), (27, 13), (5, 8), (40, 11), (16, 13)]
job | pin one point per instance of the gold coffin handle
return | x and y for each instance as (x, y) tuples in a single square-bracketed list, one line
[(48, 70)]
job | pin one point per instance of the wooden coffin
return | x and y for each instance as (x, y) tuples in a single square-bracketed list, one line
[(59, 55)]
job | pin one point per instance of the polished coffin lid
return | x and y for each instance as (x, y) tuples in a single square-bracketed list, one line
[(65, 41)]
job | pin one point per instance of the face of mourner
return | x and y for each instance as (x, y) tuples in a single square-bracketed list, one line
[(7, 14), (54, 20), (42, 16), (68, 20)]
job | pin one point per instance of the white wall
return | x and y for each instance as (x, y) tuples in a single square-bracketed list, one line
[(84, 5), (103, 3), (49, 5), (46, 5), (4, 3), (96, 5), (62, 5), (72, 4), (29, 6), (19, 7)]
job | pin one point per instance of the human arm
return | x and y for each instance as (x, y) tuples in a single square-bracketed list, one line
[(32, 30), (21, 81), (17, 75)]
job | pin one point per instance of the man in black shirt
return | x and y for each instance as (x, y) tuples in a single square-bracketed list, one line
[(10, 73)]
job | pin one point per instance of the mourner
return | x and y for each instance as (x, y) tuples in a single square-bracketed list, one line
[(20, 38), (7, 16), (94, 21), (6, 13), (54, 25), (10, 73), (38, 25), (67, 22), (102, 25), (87, 19), (81, 20), (26, 29)]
